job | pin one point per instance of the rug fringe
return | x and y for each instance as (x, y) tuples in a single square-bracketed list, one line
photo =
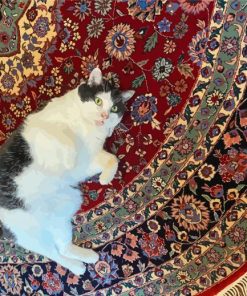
[(238, 288)]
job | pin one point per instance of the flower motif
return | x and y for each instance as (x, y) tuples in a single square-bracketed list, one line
[(237, 234), (232, 194), (87, 285), (197, 48), (8, 121), (169, 46), (164, 25), (88, 64), (185, 146), (130, 206), (180, 30), (152, 245), (153, 226), (27, 60), (215, 98), (131, 255), (130, 142), (21, 108), (213, 256), (7, 81), (230, 45), (99, 226), (151, 290), (190, 213), (32, 13), (145, 9), (158, 183), (102, 6), (11, 279), (82, 9), (215, 204), (52, 283), (95, 28), (183, 276), (231, 138), (41, 27), (105, 270), (207, 172), (120, 41), (233, 166), (127, 270), (194, 7), (162, 69), (113, 78), (181, 85), (37, 270), (143, 109), (4, 38), (117, 249), (173, 99), (131, 240)]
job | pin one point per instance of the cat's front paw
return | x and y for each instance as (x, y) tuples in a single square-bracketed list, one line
[(109, 171)]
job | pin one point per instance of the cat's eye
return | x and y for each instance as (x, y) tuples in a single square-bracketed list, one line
[(114, 109), (98, 101)]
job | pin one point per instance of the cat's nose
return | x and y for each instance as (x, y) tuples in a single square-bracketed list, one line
[(104, 115)]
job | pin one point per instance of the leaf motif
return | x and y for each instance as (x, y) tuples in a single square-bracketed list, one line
[(142, 63), (59, 59), (155, 124), (151, 42), (42, 7), (119, 12), (2, 136), (201, 24), (34, 95), (138, 81), (185, 69)]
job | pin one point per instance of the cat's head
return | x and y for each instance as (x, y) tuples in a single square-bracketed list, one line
[(103, 104)]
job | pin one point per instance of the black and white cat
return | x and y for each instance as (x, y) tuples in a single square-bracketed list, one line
[(47, 156)]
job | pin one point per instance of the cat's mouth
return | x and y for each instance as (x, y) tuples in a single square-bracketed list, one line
[(100, 122)]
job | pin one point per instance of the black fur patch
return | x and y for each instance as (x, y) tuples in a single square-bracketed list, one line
[(5, 233), (88, 93), (14, 157)]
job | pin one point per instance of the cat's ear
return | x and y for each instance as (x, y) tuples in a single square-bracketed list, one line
[(126, 95), (95, 77)]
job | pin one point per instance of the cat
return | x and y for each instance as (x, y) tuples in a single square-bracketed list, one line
[(46, 157)]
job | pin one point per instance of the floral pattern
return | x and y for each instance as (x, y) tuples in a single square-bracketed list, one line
[(173, 222)]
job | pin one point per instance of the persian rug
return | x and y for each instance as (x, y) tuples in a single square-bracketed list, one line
[(173, 222)]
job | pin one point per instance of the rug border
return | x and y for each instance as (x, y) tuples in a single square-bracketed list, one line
[(219, 287)]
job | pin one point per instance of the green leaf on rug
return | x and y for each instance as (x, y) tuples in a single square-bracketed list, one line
[(243, 67), (187, 113), (188, 255), (185, 69), (221, 3), (236, 90), (221, 120), (229, 266), (216, 32), (205, 243), (115, 233), (201, 86), (138, 81), (210, 57), (151, 42), (208, 142), (214, 276), (89, 215)]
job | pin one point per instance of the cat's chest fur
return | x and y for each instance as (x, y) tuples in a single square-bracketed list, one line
[(69, 146)]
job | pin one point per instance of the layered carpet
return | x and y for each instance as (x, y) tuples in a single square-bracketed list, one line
[(174, 220)]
